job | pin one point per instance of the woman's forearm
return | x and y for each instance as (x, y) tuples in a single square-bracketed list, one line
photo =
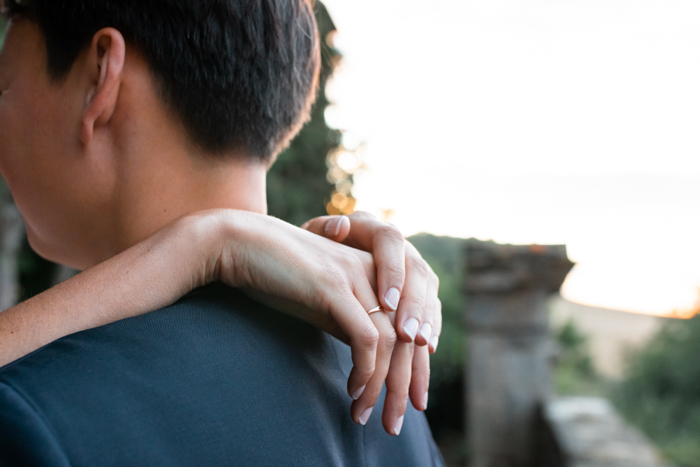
[(146, 277), (294, 271)]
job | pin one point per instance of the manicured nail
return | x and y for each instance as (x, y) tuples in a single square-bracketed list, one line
[(392, 298), (399, 424), (365, 416), (359, 392), (425, 401), (434, 343), (411, 327), (425, 331), (333, 226), (343, 220)]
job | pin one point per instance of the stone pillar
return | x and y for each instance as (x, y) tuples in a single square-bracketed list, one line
[(509, 350)]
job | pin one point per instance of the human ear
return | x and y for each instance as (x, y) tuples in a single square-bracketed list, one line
[(105, 64)]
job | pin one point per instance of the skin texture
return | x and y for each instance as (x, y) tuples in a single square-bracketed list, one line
[(107, 181)]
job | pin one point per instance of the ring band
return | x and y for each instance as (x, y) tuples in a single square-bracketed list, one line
[(374, 310)]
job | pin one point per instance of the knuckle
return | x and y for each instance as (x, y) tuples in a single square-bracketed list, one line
[(415, 301), (438, 308), (412, 250), (370, 336), (389, 337), (395, 268), (367, 372), (391, 232), (400, 396), (419, 265), (434, 277), (362, 215), (353, 262), (336, 277)]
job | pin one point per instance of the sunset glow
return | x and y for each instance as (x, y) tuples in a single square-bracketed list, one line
[(535, 122)]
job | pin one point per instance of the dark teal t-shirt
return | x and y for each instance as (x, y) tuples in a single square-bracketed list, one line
[(213, 380)]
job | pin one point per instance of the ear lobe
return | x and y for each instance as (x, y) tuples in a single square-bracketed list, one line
[(105, 66)]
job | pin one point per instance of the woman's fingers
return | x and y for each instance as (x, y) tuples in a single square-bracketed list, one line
[(362, 408), (413, 301), (363, 231), (420, 378), (336, 228), (437, 329), (364, 338), (397, 387), (396, 373), (406, 283), (432, 309), (387, 245)]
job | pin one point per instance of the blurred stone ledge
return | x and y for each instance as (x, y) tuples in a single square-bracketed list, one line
[(513, 418), (509, 348), (503, 269), (588, 432)]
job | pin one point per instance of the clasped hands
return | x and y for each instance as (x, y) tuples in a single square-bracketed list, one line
[(330, 273)]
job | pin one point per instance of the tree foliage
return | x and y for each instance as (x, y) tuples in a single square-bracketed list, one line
[(297, 185), (574, 373), (661, 391)]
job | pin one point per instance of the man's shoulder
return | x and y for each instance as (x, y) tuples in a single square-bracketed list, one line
[(214, 364), (212, 325), (215, 379)]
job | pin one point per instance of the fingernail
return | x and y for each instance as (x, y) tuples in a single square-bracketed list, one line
[(434, 343), (365, 416), (333, 225), (411, 327), (399, 424), (392, 298), (343, 220), (425, 401), (359, 392), (425, 331)]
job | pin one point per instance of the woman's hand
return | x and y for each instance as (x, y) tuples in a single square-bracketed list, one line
[(419, 314), (321, 281)]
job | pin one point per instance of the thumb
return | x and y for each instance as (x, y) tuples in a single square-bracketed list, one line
[(336, 228)]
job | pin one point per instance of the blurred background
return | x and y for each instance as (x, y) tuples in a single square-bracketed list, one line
[(542, 122), (549, 122)]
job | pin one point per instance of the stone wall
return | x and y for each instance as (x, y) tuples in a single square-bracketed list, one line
[(588, 432)]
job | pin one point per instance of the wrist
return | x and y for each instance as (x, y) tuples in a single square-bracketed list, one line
[(221, 236), (196, 242)]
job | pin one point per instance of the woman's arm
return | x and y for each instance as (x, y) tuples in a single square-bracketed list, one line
[(146, 277), (322, 282)]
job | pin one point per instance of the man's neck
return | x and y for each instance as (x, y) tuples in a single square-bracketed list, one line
[(153, 174), (161, 188)]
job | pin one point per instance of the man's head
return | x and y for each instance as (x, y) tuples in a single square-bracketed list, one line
[(238, 73), (95, 91)]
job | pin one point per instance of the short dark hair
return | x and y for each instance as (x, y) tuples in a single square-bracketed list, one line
[(240, 74)]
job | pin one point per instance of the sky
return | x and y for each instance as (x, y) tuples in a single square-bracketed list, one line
[(570, 122)]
